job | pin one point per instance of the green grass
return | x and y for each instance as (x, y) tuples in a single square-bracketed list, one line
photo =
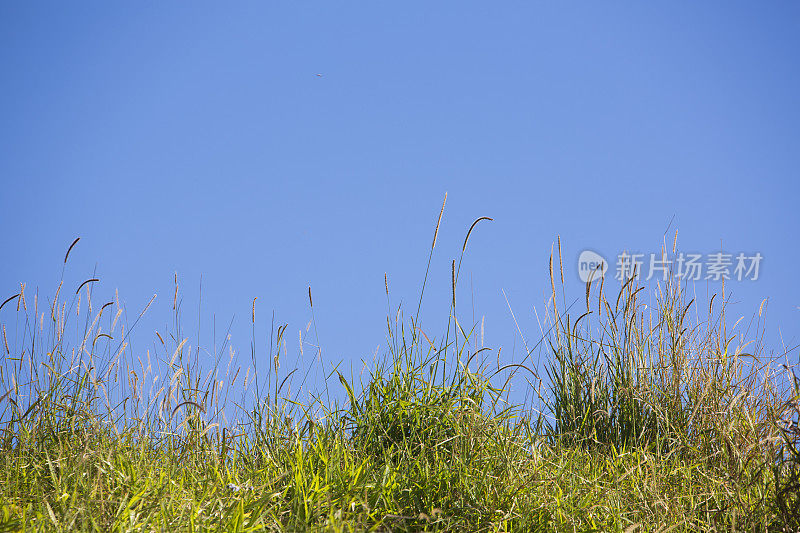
[(644, 420)]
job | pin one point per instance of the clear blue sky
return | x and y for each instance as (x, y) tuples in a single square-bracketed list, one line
[(198, 138)]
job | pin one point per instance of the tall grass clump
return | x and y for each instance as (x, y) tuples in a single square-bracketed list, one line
[(659, 375), (787, 464)]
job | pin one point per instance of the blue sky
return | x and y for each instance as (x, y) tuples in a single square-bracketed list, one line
[(200, 138)]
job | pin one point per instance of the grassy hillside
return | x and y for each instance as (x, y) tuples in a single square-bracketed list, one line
[(640, 419)]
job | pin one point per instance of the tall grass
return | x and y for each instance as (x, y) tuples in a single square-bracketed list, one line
[(625, 373), (787, 464), (650, 421)]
